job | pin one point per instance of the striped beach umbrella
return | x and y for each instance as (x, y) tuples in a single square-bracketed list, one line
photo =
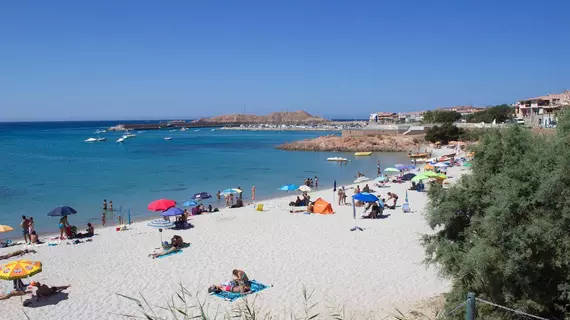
[(161, 224), (20, 269)]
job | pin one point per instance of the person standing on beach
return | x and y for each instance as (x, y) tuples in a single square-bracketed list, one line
[(25, 224), (227, 198), (111, 205), (253, 193), (31, 228), (219, 195), (316, 182), (103, 218), (240, 193), (231, 199), (378, 171), (104, 204)]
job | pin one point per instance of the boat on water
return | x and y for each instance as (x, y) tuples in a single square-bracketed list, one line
[(100, 131), (421, 160), (364, 153), (91, 140), (417, 155), (337, 159), (129, 135), (196, 130), (184, 129), (101, 139), (167, 138), (121, 139)]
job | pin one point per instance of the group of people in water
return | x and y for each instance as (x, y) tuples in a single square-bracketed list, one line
[(310, 182)]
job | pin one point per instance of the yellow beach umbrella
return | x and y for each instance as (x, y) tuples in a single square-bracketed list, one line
[(20, 269), (4, 228), (428, 167)]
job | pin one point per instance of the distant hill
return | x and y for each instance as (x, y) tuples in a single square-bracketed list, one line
[(276, 117)]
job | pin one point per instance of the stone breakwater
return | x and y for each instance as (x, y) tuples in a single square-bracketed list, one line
[(356, 144)]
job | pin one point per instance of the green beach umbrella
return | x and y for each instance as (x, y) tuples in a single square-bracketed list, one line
[(419, 178), (430, 174)]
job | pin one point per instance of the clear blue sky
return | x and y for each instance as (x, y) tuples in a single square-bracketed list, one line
[(121, 59)]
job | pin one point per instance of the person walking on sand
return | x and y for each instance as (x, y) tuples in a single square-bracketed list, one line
[(25, 224), (103, 218), (316, 182), (104, 204), (253, 193)]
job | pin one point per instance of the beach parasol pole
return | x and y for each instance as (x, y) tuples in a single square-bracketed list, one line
[(129, 215), (334, 190)]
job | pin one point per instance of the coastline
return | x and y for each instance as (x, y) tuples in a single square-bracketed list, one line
[(288, 251)]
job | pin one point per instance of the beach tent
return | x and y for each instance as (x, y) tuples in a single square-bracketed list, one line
[(322, 207)]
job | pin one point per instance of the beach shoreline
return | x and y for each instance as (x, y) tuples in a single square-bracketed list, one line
[(370, 272)]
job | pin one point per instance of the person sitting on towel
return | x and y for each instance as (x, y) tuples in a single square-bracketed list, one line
[(239, 204), (45, 291), (175, 244), (240, 284), (90, 232)]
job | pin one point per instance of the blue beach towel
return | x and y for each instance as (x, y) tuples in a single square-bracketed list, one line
[(170, 254), (231, 296)]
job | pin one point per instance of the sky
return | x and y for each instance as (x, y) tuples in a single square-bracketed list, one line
[(99, 60)]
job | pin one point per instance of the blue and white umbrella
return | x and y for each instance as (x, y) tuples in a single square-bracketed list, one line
[(161, 224), (231, 190), (289, 187), (190, 203)]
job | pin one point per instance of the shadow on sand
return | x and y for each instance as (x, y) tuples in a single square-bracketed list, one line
[(47, 301)]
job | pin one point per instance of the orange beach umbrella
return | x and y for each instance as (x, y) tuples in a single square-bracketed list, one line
[(20, 269)]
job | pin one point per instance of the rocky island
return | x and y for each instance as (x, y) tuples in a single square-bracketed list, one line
[(296, 117), (386, 143)]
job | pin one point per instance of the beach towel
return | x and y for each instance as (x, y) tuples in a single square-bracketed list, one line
[(170, 254), (231, 296)]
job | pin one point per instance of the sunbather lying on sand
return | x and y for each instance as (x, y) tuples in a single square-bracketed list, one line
[(176, 243), (13, 293), (240, 284), (44, 291), (16, 254)]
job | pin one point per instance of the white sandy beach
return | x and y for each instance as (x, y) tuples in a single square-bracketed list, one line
[(370, 272)]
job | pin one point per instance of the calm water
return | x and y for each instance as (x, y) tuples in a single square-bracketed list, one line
[(44, 165)]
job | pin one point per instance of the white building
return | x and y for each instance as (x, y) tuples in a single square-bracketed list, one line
[(541, 111)]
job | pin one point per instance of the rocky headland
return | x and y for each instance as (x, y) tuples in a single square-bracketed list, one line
[(387, 143), (296, 117)]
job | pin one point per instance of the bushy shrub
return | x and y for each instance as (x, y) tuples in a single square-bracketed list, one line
[(500, 113), (445, 133), (439, 116), (503, 231)]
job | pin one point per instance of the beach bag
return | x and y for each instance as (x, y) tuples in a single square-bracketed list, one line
[(406, 207)]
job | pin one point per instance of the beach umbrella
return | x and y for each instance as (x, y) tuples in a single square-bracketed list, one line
[(4, 228), (20, 269), (231, 190), (305, 188), (391, 170), (201, 196), (289, 187), (190, 203), (430, 174), (161, 205), (401, 166), (419, 178), (61, 211), (380, 179), (172, 212), (161, 224), (467, 164), (408, 176), (428, 167), (365, 197), (361, 179), (441, 165)]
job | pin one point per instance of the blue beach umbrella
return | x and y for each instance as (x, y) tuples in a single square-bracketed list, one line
[(365, 197), (201, 196), (61, 211), (289, 187), (161, 224), (190, 203), (172, 212), (231, 190), (401, 166)]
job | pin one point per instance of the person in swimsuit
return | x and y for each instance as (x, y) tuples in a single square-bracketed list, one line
[(104, 204), (103, 218), (62, 225), (46, 291), (25, 224), (240, 284), (111, 205), (176, 244), (34, 238)]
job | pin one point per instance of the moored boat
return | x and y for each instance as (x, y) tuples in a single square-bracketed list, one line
[(167, 138), (417, 155), (337, 159), (91, 140), (364, 153)]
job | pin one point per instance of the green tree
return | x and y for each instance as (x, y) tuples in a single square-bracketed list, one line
[(439, 116), (444, 133), (500, 113), (503, 231)]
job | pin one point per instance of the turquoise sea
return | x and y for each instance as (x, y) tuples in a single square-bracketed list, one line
[(44, 165)]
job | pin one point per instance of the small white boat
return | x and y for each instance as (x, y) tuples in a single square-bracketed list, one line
[(101, 139), (337, 159), (196, 130), (129, 135), (173, 130), (121, 139), (184, 129), (91, 140), (213, 130), (167, 138), (101, 131)]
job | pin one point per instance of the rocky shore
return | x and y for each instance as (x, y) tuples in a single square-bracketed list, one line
[(356, 144)]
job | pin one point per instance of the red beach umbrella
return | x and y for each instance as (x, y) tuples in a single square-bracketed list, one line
[(161, 205)]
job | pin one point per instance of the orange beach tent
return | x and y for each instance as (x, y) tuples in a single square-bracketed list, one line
[(322, 207)]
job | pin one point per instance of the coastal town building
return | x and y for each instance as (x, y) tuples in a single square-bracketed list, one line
[(463, 110), (541, 111), (384, 117)]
